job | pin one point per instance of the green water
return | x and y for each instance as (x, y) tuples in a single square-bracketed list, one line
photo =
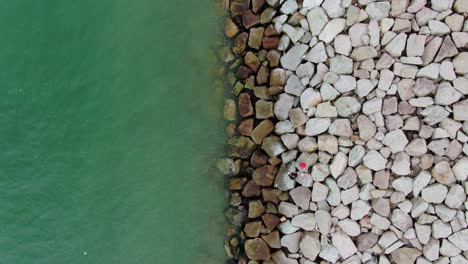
[(109, 124)]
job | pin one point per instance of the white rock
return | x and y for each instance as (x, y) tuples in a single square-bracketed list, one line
[(293, 57), (378, 10), (416, 148), (317, 54), (431, 250), (372, 106), (289, 7), (380, 222), (341, 65), (434, 193), (366, 127), (401, 220), (460, 239), (438, 28), (310, 98), (345, 83), (288, 209), (324, 221), (337, 167), (460, 169), (317, 19), (355, 155), (396, 140), (350, 227), (421, 101), (401, 164), (441, 229), (455, 197), (326, 109), (403, 184), (308, 4), (332, 29), (431, 71), (329, 253), (415, 45), (359, 209), (448, 249), (350, 195), (386, 78), (344, 244), (374, 160), (316, 126), (423, 232), (341, 127), (447, 71), (334, 8), (310, 245), (305, 221), (347, 106), (342, 44), (442, 173), (441, 5), (460, 62), (282, 106), (460, 110), (397, 45), (446, 95), (319, 192)]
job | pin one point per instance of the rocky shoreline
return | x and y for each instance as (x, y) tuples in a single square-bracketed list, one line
[(348, 131)]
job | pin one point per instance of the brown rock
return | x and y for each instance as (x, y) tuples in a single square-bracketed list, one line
[(257, 5), (231, 129), (273, 239), (270, 221), (269, 43), (238, 7), (245, 105), (257, 249), (270, 31), (246, 126), (240, 42), (230, 28), (253, 229), (252, 61), (263, 109), (249, 19), (256, 209), (258, 159), (297, 117), (241, 147), (262, 130), (279, 77), (273, 57), (251, 189), (243, 72), (263, 75), (271, 195), (255, 37), (265, 175), (236, 184)]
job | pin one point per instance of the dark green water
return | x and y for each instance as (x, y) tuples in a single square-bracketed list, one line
[(109, 124)]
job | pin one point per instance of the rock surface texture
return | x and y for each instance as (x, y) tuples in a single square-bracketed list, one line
[(348, 139)]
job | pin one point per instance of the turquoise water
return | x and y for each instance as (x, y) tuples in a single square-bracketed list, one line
[(109, 124)]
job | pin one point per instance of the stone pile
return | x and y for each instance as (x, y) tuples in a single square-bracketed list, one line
[(371, 96)]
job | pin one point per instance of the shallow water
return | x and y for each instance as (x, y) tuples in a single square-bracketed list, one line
[(109, 124)]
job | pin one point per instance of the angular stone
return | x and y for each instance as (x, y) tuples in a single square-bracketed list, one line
[(293, 57), (257, 249)]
